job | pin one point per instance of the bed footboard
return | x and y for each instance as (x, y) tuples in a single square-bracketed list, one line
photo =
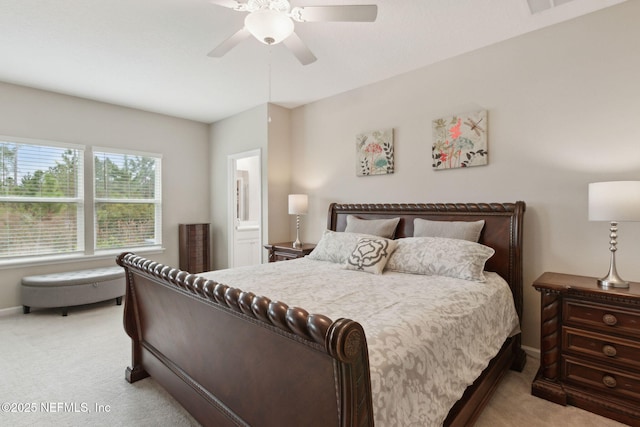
[(233, 358)]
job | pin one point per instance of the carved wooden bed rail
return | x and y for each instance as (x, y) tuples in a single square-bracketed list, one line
[(202, 385)]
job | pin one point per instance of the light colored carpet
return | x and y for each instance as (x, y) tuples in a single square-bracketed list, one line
[(69, 371), (78, 361), (513, 405)]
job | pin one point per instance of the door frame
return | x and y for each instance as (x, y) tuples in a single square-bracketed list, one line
[(232, 160)]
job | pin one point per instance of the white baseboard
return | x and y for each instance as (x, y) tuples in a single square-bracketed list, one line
[(5, 312), (532, 352)]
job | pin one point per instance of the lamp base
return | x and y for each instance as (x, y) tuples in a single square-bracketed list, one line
[(609, 282), (297, 243), (612, 280)]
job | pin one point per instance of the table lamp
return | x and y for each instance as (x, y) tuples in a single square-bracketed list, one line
[(614, 201), (298, 205)]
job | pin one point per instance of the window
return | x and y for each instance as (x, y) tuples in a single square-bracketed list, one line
[(41, 198), (128, 200), (43, 214)]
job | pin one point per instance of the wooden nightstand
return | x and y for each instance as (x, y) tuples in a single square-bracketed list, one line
[(589, 346), (285, 251)]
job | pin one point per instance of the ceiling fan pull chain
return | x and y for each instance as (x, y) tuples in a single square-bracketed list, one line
[(269, 85), (269, 99)]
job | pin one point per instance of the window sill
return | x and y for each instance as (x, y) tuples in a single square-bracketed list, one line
[(64, 259)]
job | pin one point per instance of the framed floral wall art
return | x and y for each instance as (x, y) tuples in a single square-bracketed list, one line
[(374, 153), (460, 141)]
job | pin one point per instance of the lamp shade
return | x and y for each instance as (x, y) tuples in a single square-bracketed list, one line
[(269, 26), (617, 201), (298, 204)]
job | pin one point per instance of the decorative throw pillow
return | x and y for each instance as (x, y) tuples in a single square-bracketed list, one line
[(377, 227), (465, 230), (335, 246), (370, 255), (441, 257)]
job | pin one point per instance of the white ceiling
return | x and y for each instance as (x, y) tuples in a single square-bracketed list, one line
[(152, 54)]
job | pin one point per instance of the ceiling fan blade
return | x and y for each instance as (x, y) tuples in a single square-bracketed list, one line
[(231, 4), (295, 44), (350, 13), (230, 43)]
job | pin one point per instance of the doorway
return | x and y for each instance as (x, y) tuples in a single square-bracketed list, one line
[(245, 209)]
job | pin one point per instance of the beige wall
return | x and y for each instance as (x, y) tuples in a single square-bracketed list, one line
[(31, 113), (563, 106), (243, 132), (266, 128), (279, 174)]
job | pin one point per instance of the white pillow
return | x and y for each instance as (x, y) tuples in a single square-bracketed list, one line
[(336, 246), (441, 257), (377, 227), (371, 255), (465, 230)]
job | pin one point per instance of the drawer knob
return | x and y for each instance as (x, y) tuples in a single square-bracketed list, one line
[(609, 319), (609, 381), (609, 350)]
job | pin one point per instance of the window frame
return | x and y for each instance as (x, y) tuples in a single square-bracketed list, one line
[(86, 221)]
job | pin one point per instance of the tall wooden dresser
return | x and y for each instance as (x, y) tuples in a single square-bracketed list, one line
[(194, 247), (589, 346)]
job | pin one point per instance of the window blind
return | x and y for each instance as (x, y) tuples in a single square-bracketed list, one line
[(128, 200), (41, 199)]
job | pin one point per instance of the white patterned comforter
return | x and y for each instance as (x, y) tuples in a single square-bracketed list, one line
[(429, 337)]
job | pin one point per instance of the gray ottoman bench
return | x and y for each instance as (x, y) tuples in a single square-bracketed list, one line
[(72, 288)]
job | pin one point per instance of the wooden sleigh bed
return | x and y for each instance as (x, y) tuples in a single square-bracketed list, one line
[(232, 358)]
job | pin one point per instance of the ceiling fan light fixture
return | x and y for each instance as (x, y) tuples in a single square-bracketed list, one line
[(269, 26)]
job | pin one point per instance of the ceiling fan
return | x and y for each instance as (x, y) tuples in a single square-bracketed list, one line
[(271, 22)]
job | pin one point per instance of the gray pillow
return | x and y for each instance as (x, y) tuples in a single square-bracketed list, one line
[(437, 256), (463, 230), (376, 227)]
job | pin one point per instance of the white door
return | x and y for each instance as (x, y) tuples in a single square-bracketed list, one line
[(245, 209)]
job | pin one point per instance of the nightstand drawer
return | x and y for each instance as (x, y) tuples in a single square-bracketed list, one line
[(284, 256), (603, 347), (602, 317), (286, 251), (612, 381)]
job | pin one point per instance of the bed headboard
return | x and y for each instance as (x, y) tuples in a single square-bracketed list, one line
[(502, 230)]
